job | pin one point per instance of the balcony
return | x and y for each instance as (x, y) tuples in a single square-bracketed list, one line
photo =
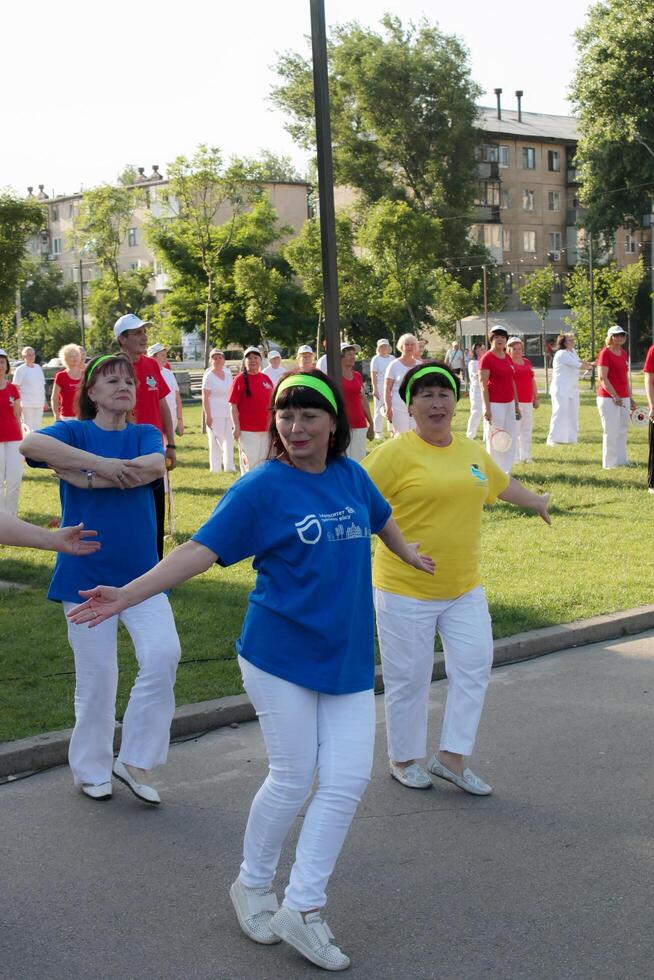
[(485, 213), (488, 171), (572, 216), (571, 176)]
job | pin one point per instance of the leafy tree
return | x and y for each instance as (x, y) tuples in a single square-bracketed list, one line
[(19, 220), (577, 296), (403, 117), (43, 288), (452, 301), (106, 304), (624, 292), (48, 332), (271, 167), (536, 293), (101, 225), (612, 94), (258, 285)]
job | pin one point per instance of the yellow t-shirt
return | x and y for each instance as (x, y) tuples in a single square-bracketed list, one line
[(437, 496)]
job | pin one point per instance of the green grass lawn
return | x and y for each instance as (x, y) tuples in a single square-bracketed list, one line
[(594, 559)]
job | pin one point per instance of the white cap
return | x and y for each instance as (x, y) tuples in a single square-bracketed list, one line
[(130, 321), (498, 326), (347, 345), (305, 349), (155, 349), (3, 353), (611, 332), (251, 350), (380, 343), (273, 353), (513, 340)]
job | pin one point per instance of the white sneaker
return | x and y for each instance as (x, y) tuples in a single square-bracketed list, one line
[(310, 936), (255, 908), (413, 776), (467, 781)]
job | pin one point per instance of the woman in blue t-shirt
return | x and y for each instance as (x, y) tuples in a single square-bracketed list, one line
[(106, 467), (306, 515)]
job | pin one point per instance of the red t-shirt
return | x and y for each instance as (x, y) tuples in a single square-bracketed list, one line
[(524, 381), (648, 366), (618, 366), (150, 389), (10, 429), (500, 378), (253, 411), (67, 389), (353, 406)]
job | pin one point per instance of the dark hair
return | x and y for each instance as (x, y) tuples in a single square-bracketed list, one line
[(429, 380), (6, 360), (498, 330), (244, 372), (475, 348), (300, 396), (560, 341), (85, 407)]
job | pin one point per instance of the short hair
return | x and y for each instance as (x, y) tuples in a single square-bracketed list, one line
[(560, 341), (300, 396), (68, 349), (7, 362), (25, 350), (404, 338), (86, 407), (475, 348), (432, 380)]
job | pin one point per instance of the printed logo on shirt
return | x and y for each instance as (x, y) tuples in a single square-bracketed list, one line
[(151, 382), (266, 384), (12, 400), (474, 469), (309, 529)]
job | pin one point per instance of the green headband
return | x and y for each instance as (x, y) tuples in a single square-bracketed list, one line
[(308, 381), (429, 370), (96, 363)]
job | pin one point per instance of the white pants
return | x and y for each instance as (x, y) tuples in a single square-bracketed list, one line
[(564, 424), (306, 733), (221, 445), (524, 426), (357, 448), (476, 410), (503, 416), (615, 425), (146, 722), (406, 628), (253, 450), (11, 473), (32, 416), (402, 421), (379, 419)]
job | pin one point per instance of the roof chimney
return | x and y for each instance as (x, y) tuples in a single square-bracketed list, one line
[(42, 196), (155, 175), (141, 173), (30, 192), (498, 92), (519, 93)]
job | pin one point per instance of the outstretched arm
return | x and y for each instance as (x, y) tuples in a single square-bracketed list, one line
[(516, 494), (71, 540), (393, 538), (105, 601)]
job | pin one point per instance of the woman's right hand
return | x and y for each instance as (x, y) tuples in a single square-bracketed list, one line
[(389, 413), (237, 432), (488, 415), (102, 602), (617, 401), (209, 421), (117, 472)]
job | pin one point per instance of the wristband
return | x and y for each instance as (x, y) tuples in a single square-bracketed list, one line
[(89, 479), (171, 445)]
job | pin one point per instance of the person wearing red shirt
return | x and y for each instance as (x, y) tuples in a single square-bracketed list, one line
[(614, 400), (648, 371), (525, 382), (501, 406), (151, 405), (356, 403), (249, 402), (66, 383), (11, 436)]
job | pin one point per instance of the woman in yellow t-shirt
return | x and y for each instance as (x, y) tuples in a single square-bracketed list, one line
[(437, 483)]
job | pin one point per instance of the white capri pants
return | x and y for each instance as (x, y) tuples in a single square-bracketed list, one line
[(11, 473), (306, 733), (32, 416), (476, 410), (146, 723), (615, 426), (253, 450), (357, 448), (402, 421), (503, 416), (406, 628), (379, 419), (221, 445), (524, 427)]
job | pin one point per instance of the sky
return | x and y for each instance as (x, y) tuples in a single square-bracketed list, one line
[(89, 87)]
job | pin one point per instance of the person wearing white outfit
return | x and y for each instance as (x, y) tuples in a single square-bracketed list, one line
[(500, 395), (216, 386), (474, 390), (305, 650), (30, 381), (564, 391), (437, 483), (525, 382), (275, 370), (378, 367), (173, 399), (614, 399), (396, 410), (11, 461), (106, 465)]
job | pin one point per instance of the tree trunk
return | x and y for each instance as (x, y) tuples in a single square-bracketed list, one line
[(207, 334), (547, 376)]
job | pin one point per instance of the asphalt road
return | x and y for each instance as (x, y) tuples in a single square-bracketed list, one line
[(548, 879)]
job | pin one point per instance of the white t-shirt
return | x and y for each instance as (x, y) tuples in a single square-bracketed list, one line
[(455, 358), (322, 363), (31, 382), (275, 373), (218, 391), (473, 371), (378, 366), (396, 371), (171, 399)]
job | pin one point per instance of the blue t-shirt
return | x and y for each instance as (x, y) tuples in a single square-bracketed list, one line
[(310, 616), (124, 519)]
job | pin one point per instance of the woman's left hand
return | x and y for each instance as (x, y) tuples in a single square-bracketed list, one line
[(541, 507), (370, 434), (422, 562), (102, 602)]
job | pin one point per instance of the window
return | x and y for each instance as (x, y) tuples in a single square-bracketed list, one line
[(553, 201), (488, 193), (553, 160), (506, 239), (503, 156), (71, 210), (54, 213), (131, 236), (529, 241), (528, 158), (489, 152), (557, 285), (56, 246), (555, 244), (629, 244), (134, 266), (507, 282), (504, 198), (527, 200)]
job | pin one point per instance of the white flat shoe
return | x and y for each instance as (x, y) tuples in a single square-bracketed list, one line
[(145, 793), (254, 909), (413, 776), (468, 782), (310, 936), (97, 791)]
